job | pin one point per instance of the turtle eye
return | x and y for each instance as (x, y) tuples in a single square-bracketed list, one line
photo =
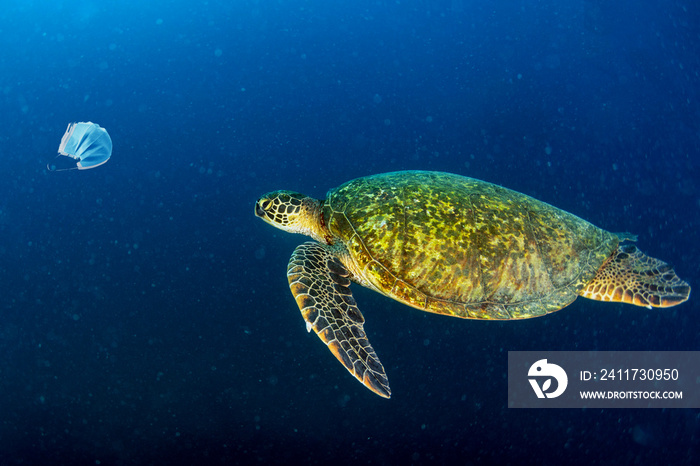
[(265, 204)]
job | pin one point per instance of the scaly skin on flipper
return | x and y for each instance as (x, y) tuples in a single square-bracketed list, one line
[(321, 287), (631, 277)]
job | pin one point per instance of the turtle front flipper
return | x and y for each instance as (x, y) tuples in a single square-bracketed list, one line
[(320, 284), (631, 277)]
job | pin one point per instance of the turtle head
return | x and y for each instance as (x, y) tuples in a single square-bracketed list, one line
[(291, 212)]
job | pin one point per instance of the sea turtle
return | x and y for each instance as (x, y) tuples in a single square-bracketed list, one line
[(451, 245)]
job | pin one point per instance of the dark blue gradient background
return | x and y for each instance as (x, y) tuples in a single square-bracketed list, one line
[(145, 314)]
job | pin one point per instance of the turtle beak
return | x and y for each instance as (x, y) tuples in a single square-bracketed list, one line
[(259, 212), (262, 213)]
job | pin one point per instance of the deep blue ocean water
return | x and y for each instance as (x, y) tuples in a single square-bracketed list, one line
[(146, 316)]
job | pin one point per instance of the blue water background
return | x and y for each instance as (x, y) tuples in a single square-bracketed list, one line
[(145, 313)]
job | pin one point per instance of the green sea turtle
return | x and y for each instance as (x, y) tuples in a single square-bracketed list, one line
[(450, 245)]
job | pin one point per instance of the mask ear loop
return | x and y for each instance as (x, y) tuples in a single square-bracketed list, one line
[(48, 166)]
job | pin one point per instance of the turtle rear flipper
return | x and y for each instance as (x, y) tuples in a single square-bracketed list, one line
[(631, 277), (321, 287)]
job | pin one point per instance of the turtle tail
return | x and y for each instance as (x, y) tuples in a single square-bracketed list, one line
[(630, 276)]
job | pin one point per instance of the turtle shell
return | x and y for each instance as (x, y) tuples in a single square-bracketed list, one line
[(454, 245)]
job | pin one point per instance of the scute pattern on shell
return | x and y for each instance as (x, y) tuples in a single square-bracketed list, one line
[(455, 245)]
